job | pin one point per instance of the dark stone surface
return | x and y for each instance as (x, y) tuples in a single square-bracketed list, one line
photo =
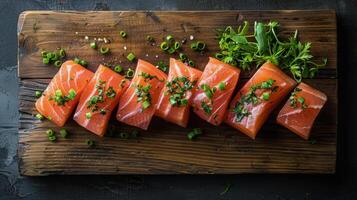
[(343, 185)]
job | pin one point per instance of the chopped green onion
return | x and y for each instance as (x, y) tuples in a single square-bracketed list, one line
[(104, 50), (191, 63), (45, 61), (63, 133), (55, 57), (58, 63), (266, 96), (149, 38), (52, 138), (93, 45), (83, 63), (222, 86), (124, 135), (201, 46), (76, 60), (183, 57), (194, 133), (50, 132), (44, 54), (171, 50), (145, 104), (62, 53), (129, 73), (118, 69), (164, 46), (130, 57), (177, 45), (88, 115), (169, 38), (58, 93), (194, 46), (219, 56), (39, 116), (301, 100), (50, 55), (38, 94), (90, 142), (71, 94), (162, 66), (123, 34)]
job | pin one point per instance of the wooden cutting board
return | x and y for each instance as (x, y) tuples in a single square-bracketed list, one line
[(164, 148)]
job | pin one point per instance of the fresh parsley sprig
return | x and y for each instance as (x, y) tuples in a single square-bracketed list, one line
[(238, 48)]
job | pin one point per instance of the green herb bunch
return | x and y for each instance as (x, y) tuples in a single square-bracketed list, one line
[(238, 48)]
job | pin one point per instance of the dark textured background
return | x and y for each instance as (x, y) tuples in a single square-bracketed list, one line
[(343, 185)]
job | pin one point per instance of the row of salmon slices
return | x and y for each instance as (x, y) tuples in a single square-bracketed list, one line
[(152, 92)]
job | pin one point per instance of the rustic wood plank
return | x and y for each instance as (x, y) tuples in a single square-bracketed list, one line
[(164, 149)]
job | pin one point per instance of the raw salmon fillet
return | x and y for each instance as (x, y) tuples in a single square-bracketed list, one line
[(254, 102), (62, 94), (138, 103), (301, 110), (98, 100), (174, 104), (209, 101)]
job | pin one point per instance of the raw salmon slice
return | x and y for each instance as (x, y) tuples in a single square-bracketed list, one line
[(301, 110), (175, 98), (98, 100), (254, 102), (214, 90), (62, 94), (138, 103)]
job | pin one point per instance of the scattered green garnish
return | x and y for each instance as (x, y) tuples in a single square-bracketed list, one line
[(183, 57), (250, 97), (129, 73), (222, 86), (118, 69), (76, 60), (150, 39), (171, 50), (53, 57), (110, 92), (198, 46), (61, 99), (51, 135), (293, 99), (164, 46), (177, 45), (62, 53), (162, 66), (177, 89), (191, 63), (64, 133), (39, 116), (45, 61), (104, 50), (93, 45), (131, 57), (38, 94), (123, 34), (206, 108), (208, 91), (90, 142), (169, 37), (194, 133), (143, 95), (238, 48), (88, 115), (83, 63), (58, 63)]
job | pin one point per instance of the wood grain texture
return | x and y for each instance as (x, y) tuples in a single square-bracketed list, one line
[(164, 149)]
